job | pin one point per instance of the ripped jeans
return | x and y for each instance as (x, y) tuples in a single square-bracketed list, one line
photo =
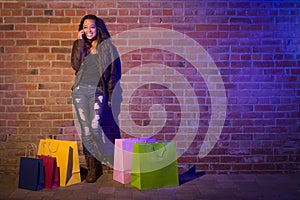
[(89, 106)]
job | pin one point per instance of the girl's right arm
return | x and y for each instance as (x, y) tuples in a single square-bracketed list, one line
[(78, 54)]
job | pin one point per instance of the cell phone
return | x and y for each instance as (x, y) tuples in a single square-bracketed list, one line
[(84, 36)]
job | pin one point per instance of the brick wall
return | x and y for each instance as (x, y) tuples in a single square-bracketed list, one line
[(254, 47)]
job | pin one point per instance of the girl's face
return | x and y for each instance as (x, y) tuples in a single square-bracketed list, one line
[(90, 29)]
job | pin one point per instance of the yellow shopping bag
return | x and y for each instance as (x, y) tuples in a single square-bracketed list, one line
[(66, 153)]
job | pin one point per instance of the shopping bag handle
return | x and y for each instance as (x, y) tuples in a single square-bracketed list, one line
[(49, 149), (33, 147), (156, 150)]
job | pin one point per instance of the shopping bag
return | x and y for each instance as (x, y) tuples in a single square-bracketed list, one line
[(51, 171), (66, 154), (31, 172), (123, 158), (154, 165)]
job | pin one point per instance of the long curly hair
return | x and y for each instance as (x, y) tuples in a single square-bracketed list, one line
[(102, 32)]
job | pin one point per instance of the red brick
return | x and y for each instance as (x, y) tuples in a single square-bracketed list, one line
[(217, 4), (26, 42), (40, 108), (29, 116), (49, 131), (13, 5), (84, 5), (241, 167), (49, 27), (38, 50), (62, 108), (60, 5), (219, 167), (60, 20), (21, 86), (127, 4), (61, 78), (40, 65), (7, 27), (230, 159), (51, 116), (60, 93), (187, 159), (38, 20), (34, 79), (40, 124), (241, 136), (263, 166), (36, 5), (19, 123)]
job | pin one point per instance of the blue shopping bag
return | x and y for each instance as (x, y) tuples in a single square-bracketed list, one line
[(31, 173)]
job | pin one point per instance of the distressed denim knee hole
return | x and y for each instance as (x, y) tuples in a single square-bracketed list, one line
[(87, 131), (95, 122), (77, 100), (81, 114)]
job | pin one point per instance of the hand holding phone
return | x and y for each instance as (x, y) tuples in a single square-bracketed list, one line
[(81, 35)]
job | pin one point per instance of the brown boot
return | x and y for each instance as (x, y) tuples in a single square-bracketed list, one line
[(93, 169)]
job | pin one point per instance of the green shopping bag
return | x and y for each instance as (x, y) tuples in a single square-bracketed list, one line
[(154, 165)]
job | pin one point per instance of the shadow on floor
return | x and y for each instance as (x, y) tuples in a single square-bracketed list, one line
[(189, 175)]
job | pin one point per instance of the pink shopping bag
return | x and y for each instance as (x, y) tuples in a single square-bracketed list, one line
[(123, 158)]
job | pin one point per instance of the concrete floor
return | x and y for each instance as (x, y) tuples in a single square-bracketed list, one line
[(209, 186)]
